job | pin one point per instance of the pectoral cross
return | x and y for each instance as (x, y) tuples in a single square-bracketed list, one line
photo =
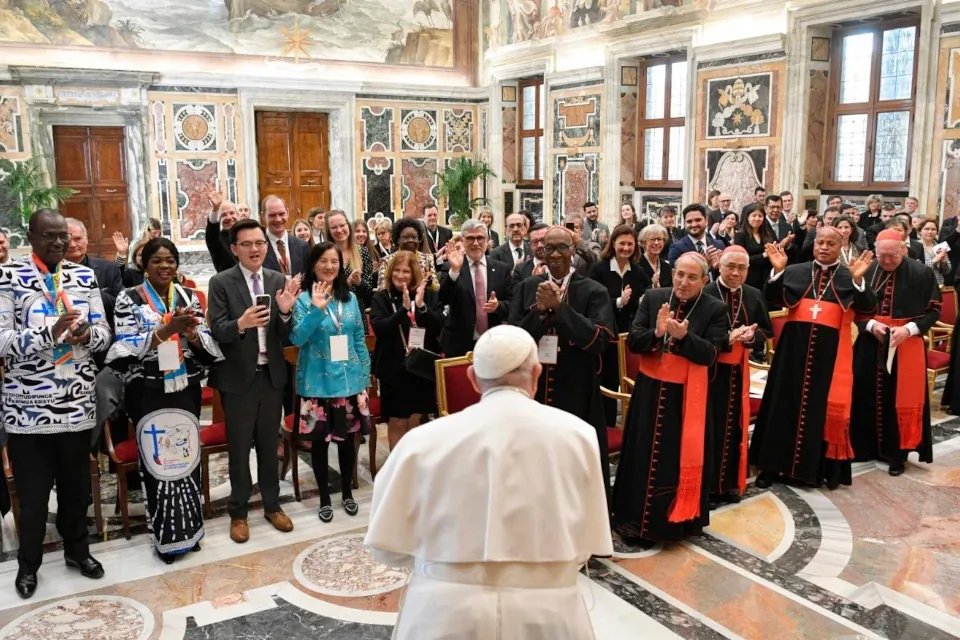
[(815, 310)]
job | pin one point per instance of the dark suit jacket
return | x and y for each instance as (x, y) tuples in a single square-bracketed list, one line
[(227, 300), (495, 236), (636, 278), (950, 233), (715, 216), (523, 271), (109, 279), (504, 253), (462, 317), (686, 244), (666, 271), (297, 253), (445, 235), (218, 244)]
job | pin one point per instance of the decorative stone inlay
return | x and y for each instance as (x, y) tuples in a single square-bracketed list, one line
[(343, 566), (84, 618)]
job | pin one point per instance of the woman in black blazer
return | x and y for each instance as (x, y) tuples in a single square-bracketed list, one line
[(654, 240), (618, 271), (493, 238), (753, 236), (404, 301)]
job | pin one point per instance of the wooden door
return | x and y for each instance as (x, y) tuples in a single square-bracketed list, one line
[(293, 160), (92, 161)]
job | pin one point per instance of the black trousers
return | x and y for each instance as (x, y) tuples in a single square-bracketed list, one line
[(253, 419), (38, 460), (346, 455)]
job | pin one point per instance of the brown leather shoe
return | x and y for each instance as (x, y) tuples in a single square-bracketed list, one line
[(239, 531), (280, 521)]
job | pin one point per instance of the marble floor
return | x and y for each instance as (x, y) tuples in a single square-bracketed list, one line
[(880, 559)]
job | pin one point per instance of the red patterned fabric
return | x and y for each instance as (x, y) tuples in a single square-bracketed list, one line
[(778, 324), (214, 434), (948, 309), (633, 364), (937, 360), (754, 407), (374, 405), (614, 439), (206, 396), (126, 451), (460, 393)]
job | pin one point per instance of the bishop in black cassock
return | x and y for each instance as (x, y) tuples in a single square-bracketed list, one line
[(575, 312), (660, 492), (730, 386), (891, 409), (803, 429)]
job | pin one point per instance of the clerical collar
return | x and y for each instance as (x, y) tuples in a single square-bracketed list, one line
[(561, 283), (500, 388), (726, 286), (826, 266)]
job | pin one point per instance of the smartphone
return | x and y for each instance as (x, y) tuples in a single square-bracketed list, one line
[(571, 225), (80, 328), (263, 301)]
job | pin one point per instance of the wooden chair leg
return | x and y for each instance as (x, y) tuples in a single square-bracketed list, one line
[(356, 460), (14, 504), (95, 490), (285, 464), (295, 467), (205, 481), (122, 498), (372, 450)]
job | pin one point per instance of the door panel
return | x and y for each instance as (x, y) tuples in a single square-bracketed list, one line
[(92, 160), (294, 159)]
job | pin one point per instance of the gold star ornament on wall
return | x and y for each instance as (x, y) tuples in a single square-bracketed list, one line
[(296, 42)]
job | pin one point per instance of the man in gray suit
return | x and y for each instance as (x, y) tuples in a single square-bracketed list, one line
[(253, 373), (593, 229)]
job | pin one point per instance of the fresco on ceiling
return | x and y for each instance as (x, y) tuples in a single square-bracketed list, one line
[(512, 21), (417, 32)]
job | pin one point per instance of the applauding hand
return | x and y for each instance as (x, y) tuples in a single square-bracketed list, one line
[(663, 315)]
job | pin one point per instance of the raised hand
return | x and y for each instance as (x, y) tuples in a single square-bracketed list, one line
[(940, 256), (287, 297), (121, 243), (548, 295), (713, 257), (420, 292), (406, 299), (321, 295), (776, 256), (625, 296), (354, 278), (491, 305), (859, 266), (786, 242), (455, 258), (677, 330), (215, 198), (663, 315), (64, 323)]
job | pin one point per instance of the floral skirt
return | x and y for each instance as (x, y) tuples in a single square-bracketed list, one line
[(326, 419)]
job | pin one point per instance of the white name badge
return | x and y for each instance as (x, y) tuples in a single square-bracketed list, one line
[(547, 350), (338, 348), (416, 338), (942, 246), (168, 356)]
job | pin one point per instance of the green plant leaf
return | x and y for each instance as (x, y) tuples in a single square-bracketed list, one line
[(27, 184)]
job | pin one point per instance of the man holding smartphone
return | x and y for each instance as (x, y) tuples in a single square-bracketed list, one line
[(250, 319)]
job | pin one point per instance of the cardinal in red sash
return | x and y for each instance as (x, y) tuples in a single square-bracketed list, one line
[(803, 430), (891, 412)]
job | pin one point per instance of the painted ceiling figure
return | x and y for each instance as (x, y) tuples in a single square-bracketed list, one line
[(525, 15)]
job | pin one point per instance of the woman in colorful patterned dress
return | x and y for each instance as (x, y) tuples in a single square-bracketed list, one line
[(333, 370), (163, 348)]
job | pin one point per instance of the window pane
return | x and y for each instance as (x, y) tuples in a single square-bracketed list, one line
[(529, 160), (678, 90), (851, 147), (890, 156), (543, 109), (677, 137), (529, 108), (543, 159), (855, 68), (656, 91), (896, 63), (653, 154)]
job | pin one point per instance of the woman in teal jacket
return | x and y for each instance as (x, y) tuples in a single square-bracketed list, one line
[(333, 370)]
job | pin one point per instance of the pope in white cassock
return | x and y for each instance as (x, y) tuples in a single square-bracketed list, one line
[(494, 509)]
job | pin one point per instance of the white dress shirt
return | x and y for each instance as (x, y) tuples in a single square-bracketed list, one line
[(272, 239), (261, 331), (513, 252), (616, 268), (469, 265)]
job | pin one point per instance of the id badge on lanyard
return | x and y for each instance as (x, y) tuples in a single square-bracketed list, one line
[(339, 351)]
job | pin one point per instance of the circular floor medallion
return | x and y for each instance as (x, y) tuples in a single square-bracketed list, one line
[(343, 566), (83, 618)]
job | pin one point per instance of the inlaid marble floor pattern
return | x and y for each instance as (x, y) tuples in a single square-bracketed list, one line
[(880, 559)]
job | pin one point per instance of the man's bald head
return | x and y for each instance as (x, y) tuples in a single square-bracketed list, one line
[(556, 232), (558, 247)]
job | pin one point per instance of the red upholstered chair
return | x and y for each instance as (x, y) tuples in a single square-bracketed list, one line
[(202, 299), (937, 361), (189, 283), (126, 458), (213, 439), (454, 391), (948, 309)]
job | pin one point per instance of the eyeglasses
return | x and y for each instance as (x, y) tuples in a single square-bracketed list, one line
[(660, 240), (246, 246), (555, 248), (49, 236), (474, 239), (515, 225)]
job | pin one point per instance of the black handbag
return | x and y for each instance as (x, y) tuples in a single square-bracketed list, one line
[(420, 362)]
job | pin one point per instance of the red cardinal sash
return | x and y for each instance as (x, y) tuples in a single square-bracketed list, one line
[(911, 384)]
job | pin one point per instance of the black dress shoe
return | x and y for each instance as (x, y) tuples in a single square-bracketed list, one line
[(26, 584), (896, 470), (765, 480), (89, 568), (730, 498)]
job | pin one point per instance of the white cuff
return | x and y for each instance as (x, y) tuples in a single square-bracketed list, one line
[(774, 276), (913, 328), (214, 217), (620, 302), (870, 324), (862, 286), (454, 275)]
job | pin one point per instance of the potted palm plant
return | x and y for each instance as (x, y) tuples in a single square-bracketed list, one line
[(455, 184), (26, 190)]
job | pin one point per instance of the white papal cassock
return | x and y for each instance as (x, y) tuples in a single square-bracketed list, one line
[(494, 509)]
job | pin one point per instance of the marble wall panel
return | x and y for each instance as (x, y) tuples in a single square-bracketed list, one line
[(162, 182), (816, 130), (377, 186), (628, 138), (418, 130), (484, 120), (576, 180), (952, 119), (949, 192), (508, 173), (576, 121), (458, 130), (230, 128), (376, 130), (195, 127), (194, 177), (737, 172), (739, 106), (419, 184)]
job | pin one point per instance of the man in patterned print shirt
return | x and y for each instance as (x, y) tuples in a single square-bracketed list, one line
[(51, 323)]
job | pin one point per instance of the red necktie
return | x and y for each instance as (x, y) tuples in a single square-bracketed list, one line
[(480, 293), (282, 251)]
